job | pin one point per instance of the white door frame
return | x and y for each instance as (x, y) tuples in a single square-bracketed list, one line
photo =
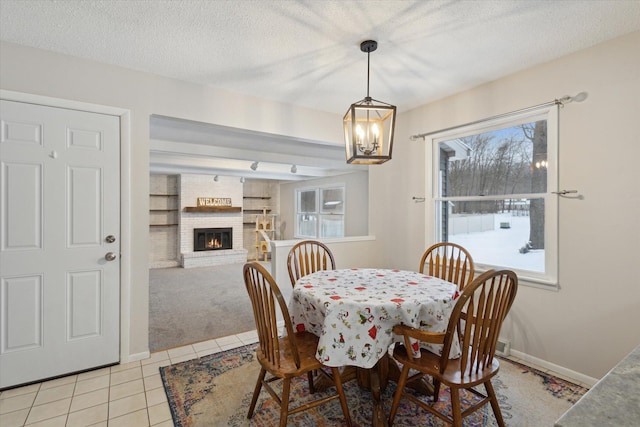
[(125, 206)]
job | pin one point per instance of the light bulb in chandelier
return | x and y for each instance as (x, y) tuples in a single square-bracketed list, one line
[(368, 142)]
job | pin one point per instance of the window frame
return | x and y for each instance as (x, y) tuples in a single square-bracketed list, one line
[(548, 278), (319, 213)]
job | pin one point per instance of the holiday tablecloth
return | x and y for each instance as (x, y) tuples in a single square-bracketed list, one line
[(353, 311)]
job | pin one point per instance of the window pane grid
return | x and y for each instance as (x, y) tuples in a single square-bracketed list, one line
[(320, 213)]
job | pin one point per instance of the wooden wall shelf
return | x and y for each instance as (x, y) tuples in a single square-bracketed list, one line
[(213, 209)]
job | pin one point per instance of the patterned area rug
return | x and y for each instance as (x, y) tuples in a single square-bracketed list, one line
[(216, 390)]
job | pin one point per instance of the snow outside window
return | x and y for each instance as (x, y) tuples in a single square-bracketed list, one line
[(492, 186)]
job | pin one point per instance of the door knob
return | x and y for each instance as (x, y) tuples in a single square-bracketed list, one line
[(110, 238), (110, 256)]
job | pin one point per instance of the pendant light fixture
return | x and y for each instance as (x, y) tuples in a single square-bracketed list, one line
[(369, 125)]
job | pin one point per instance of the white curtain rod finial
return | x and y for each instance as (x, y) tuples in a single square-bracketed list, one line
[(577, 98), (580, 97)]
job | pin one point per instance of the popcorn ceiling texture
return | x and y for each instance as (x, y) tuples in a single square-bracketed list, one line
[(307, 52)]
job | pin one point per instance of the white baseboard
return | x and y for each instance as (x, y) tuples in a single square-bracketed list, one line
[(568, 373)]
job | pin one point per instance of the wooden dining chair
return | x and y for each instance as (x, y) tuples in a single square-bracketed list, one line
[(287, 357), (483, 305), (450, 262), (309, 256)]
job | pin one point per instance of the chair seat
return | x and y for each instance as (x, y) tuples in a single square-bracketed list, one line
[(429, 363), (307, 344)]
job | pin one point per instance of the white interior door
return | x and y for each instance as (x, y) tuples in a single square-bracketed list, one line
[(59, 243)]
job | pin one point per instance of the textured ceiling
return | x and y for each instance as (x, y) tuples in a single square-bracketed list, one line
[(307, 52)]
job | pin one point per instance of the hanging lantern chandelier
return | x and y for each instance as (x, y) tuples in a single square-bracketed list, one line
[(369, 125)]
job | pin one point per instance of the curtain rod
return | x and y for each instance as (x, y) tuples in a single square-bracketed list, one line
[(562, 101)]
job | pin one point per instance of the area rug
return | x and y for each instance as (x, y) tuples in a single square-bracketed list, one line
[(216, 390)]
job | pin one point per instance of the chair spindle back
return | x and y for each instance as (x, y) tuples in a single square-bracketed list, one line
[(479, 313), (267, 300), (307, 257), (450, 262)]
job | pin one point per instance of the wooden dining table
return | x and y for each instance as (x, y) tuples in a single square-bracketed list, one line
[(353, 312)]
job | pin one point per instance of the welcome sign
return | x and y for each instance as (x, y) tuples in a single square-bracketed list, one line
[(214, 201)]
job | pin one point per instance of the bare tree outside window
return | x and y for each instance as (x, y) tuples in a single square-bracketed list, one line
[(537, 135), (496, 174), (492, 184)]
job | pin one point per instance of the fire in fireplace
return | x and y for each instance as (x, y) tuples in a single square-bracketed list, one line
[(212, 239)]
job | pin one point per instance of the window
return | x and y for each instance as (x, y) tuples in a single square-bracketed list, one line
[(320, 212), (492, 189)]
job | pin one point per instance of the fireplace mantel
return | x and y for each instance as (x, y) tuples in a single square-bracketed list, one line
[(212, 209)]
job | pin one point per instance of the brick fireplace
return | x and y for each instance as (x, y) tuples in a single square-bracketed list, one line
[(225, 227)]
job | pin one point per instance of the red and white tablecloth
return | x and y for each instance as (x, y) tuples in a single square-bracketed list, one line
[(353, 311)]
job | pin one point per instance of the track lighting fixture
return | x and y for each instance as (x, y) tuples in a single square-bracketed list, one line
[(254, 166)]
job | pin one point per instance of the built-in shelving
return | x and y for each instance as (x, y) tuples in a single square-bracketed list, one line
[(257, 210), (168, 201)]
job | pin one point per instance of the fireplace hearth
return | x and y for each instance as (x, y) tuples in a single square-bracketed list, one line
[(212, 239)]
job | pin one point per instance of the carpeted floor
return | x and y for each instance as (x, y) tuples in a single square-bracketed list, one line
[(188, 305), (216, 390)]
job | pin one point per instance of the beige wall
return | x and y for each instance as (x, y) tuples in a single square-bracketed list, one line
[(591, 322), (586, 327)]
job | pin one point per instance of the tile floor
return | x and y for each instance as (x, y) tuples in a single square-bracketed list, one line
[(128, 395)]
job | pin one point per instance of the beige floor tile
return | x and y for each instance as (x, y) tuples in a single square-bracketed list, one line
[(11, 404), (87, 400), (127, 405), (183, 358), (15, 418), (159, 413), (135, 390), (126, 389), (154, 368), (168, 423), (230, 346), (135, 419), (152, 382), (88, 416), (94, 373), (59, 421), (209, 352), (56, 393), (181, 351), (92, 384), (156, 357), (58, 382), (248, 337), (19, 391), (125, 366), (49, 410), (225, 341), (126, 376), (156, 396), (205, 345)]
